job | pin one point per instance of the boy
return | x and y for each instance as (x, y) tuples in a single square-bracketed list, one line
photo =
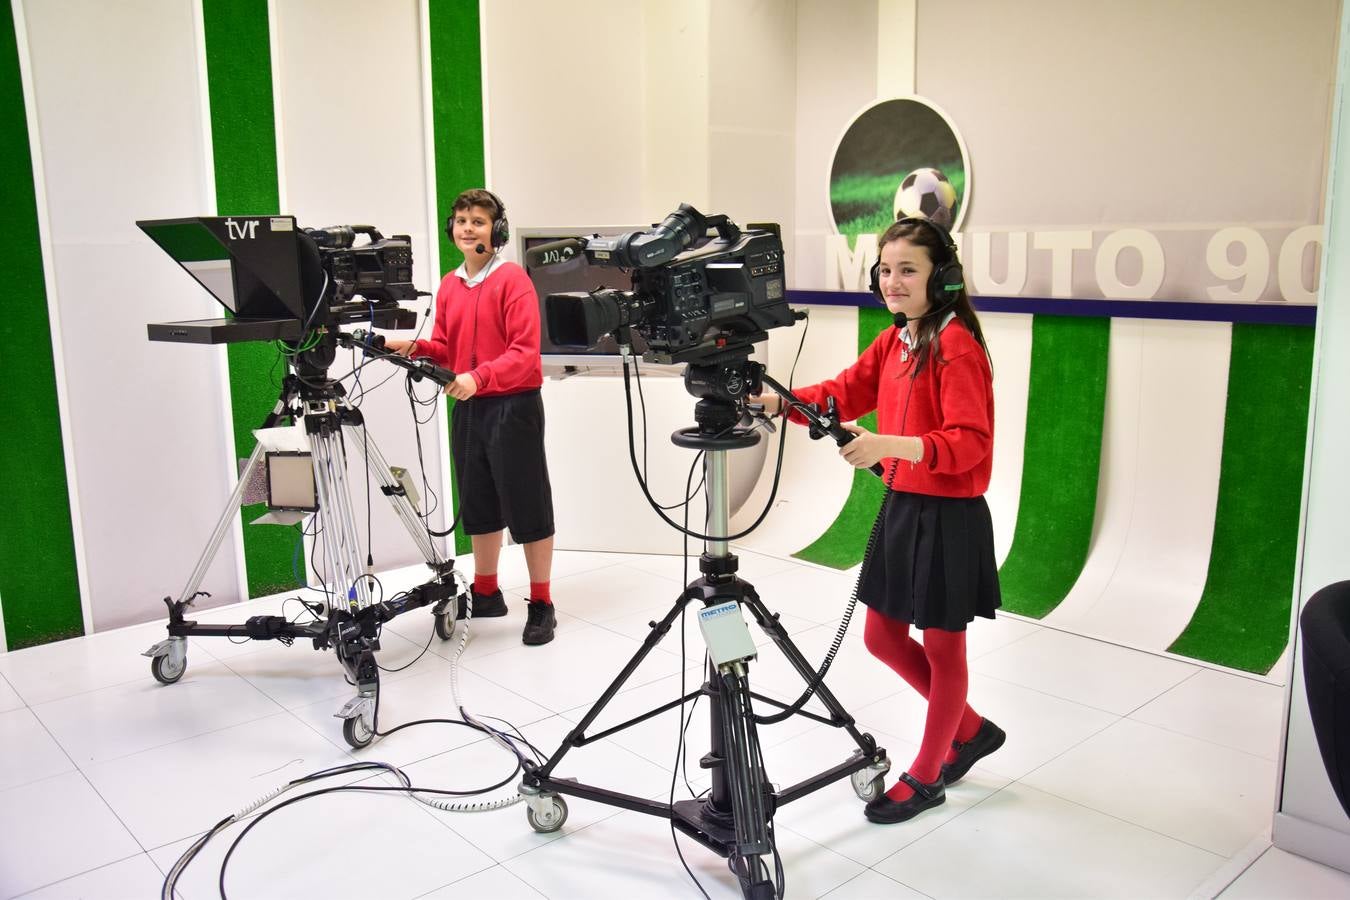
[(487, 331)]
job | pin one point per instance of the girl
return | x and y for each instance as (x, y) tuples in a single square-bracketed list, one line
[(932, 562)]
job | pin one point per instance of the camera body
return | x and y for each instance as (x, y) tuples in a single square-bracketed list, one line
[(380, 270), (737, 289), (687, 304)]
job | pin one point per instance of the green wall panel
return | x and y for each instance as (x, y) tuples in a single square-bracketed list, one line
[(1066, 408), (39, 584)]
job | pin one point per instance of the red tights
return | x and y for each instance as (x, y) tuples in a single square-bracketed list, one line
[(937, 670)]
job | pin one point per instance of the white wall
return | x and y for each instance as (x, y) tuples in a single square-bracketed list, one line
[(563, 92), (611, 112), (1310, 820), (352, 133), (676, 69), (1068, 127), (119, 105), (836, 78)]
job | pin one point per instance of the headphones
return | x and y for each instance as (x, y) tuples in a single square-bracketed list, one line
[(947, 277), (501, 228)]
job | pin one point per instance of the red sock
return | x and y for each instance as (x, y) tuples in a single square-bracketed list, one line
[(484, 584), (889, 641), (937, 670), (539, 592)]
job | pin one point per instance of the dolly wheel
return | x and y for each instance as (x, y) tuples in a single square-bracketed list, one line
[(356, 732), (164, 670), (866, 785), (551, 819)]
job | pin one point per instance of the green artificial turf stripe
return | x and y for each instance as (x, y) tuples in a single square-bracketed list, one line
[(1066, 404), (457, 121), (1242, 620), (39, 584), (243, 141)]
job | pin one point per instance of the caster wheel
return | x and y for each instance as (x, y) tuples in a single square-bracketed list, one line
[(866, 785), (445, 625), (551, 819), (164, 670), (356, 732)]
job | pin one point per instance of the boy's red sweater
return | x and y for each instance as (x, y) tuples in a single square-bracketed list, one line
[(490, 329)]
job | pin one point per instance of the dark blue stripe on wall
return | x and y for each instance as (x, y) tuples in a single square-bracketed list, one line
[(1188, 310)]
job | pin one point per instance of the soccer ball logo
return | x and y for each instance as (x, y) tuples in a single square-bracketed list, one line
[(926, 193)]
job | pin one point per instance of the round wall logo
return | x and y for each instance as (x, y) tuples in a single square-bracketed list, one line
[(899, 157)]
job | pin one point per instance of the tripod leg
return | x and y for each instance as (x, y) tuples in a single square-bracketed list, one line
[(745, 783), (393, 489), (232, 505), (534, 774), (446, 583), (775, 630), (355, 637), (342, 552), (168, 658), (222, 527)]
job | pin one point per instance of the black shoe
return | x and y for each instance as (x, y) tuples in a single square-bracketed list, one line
[(988, 739), (539, 625), (485, 606), (885, 811)]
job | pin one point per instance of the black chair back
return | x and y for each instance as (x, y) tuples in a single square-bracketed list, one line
[(1325, 626)]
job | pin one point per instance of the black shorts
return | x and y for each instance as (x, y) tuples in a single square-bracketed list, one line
[(932, 563), (498, 449)]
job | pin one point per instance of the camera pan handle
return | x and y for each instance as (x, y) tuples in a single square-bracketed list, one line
[(372, 345), (827, 423)]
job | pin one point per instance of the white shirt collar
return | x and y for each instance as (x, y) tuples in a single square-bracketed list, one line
[(463, 273), (909, 340)]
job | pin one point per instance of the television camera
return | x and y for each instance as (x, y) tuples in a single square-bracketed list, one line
[(299, 286), (694, 295), (704, 299), (280, 282)]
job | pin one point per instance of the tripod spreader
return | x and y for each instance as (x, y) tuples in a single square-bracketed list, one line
[(372, 345), (819, 424)]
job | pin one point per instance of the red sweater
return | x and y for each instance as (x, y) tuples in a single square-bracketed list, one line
[(490, 329), (951, 407)]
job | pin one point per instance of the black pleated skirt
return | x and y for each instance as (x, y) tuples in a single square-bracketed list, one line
[(932, 562)]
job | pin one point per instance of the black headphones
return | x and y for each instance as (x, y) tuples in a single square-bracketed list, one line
[(947, 277), (501, 228)]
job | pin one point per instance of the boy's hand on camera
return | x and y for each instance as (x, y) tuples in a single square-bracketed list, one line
[(402, 348), (866, 449), (463, 387)]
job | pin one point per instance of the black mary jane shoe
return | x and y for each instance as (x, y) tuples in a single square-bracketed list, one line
[(985, 741), (885, 811)]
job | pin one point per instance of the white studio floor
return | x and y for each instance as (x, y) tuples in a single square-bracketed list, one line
[(1125, 774)]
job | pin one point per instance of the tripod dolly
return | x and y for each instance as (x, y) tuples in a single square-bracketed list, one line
[(350, 620), (735, 819)]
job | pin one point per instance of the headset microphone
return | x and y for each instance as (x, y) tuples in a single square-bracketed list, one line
[(480, 249), (901, 320), (946, 279)]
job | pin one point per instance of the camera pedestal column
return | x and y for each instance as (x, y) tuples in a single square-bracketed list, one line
[(735, 819)]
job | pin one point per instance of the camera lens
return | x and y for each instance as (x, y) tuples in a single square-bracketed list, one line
[(581, 320)]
